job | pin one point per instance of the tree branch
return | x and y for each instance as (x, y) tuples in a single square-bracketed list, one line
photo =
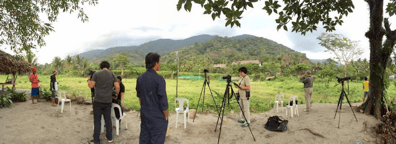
[(391, 35)]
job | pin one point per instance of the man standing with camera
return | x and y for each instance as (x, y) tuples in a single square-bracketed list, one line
[(308, 83), (150, 89), (244, 93), (103, 81)]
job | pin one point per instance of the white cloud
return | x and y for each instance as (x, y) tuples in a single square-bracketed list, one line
[(133, 22)]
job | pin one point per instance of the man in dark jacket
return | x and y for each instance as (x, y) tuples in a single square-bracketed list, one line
[(53, 87), (150, 88)]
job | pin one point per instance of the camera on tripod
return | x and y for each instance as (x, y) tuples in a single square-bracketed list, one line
[(227, 77), (343, 79)]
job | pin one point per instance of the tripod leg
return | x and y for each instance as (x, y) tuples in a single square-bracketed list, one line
[(342, 98), (198, 101), (243, 113), (346, 96), (203, 98), (338, 104), (213, 98), (221, 107), (221, 123)]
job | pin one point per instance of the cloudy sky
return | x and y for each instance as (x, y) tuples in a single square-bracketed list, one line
[(133, 22)]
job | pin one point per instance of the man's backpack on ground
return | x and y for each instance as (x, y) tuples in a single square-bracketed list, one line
[(274, 123)]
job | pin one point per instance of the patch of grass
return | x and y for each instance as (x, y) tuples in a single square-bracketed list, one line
[(262, 99)]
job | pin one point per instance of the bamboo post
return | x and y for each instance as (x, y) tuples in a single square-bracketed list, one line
[(177, 73)]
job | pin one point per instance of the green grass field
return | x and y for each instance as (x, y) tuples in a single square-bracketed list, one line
[(262, 99)]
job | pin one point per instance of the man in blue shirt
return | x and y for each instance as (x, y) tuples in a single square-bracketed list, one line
[(150, 88)]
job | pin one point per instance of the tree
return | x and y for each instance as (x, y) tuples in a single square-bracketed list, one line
[(84, 67), (31, 58), (307, 14), (299, 68), (69, 60), (343, 48), (57, 63), (21, 26), (121, 59)]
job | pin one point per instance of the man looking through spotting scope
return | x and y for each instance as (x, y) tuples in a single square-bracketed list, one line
[(244, 93), (308, 83), (150, 89)]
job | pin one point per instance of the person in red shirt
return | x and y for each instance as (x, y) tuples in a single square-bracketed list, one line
[(35, 85)]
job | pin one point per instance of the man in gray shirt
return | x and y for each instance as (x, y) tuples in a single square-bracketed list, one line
[(103, 81), (308, 83)]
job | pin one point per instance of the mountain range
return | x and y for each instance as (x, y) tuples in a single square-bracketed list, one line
[(165, 46)]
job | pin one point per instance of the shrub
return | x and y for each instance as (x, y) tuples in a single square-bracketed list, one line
[(15, 96), (5, 100), (46, 94)]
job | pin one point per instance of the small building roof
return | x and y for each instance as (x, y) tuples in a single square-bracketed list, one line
[(10, 65), (245, 62), (220, 65)]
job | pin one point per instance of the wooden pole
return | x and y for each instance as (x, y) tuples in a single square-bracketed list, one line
[(177, 73)]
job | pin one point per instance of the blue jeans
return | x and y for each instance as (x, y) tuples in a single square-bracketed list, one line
[(365, 94), (53, 94), (99, 109)]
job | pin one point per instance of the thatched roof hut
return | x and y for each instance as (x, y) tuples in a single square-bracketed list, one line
[(9, 65)]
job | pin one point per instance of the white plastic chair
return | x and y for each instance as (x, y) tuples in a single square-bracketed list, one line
[(279, 100), (294, 107), (114, 118), (63, 100), (180, 110)]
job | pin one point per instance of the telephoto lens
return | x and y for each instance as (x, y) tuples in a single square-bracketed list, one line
[(227, 77)]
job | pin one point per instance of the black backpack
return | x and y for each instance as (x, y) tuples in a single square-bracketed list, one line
[(274, 123)]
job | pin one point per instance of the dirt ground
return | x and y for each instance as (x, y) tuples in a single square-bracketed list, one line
[(42, 124)]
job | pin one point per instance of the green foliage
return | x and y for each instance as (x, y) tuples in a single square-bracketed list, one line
[(21, 26), (121, 58), (300, 68), (263, 92), (221, 50), (45, 93), (15, 96), (31, 58), (5, 100), (303, 15)]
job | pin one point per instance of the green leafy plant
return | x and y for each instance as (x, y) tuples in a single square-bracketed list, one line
[(46, 94), (5, 100), (15, 96)]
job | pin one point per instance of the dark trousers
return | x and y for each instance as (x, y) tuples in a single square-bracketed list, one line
[(99, 109), (153, 130)]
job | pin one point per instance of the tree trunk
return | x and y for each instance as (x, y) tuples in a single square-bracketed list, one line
[(13, 83), (378, 60), (122, 70)]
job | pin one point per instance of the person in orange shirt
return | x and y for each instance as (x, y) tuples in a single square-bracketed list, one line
[(366, 89), (35, 85)]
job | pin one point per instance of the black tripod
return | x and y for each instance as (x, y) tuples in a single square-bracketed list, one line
[(342, 98), (206, 82), (223, 105)]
